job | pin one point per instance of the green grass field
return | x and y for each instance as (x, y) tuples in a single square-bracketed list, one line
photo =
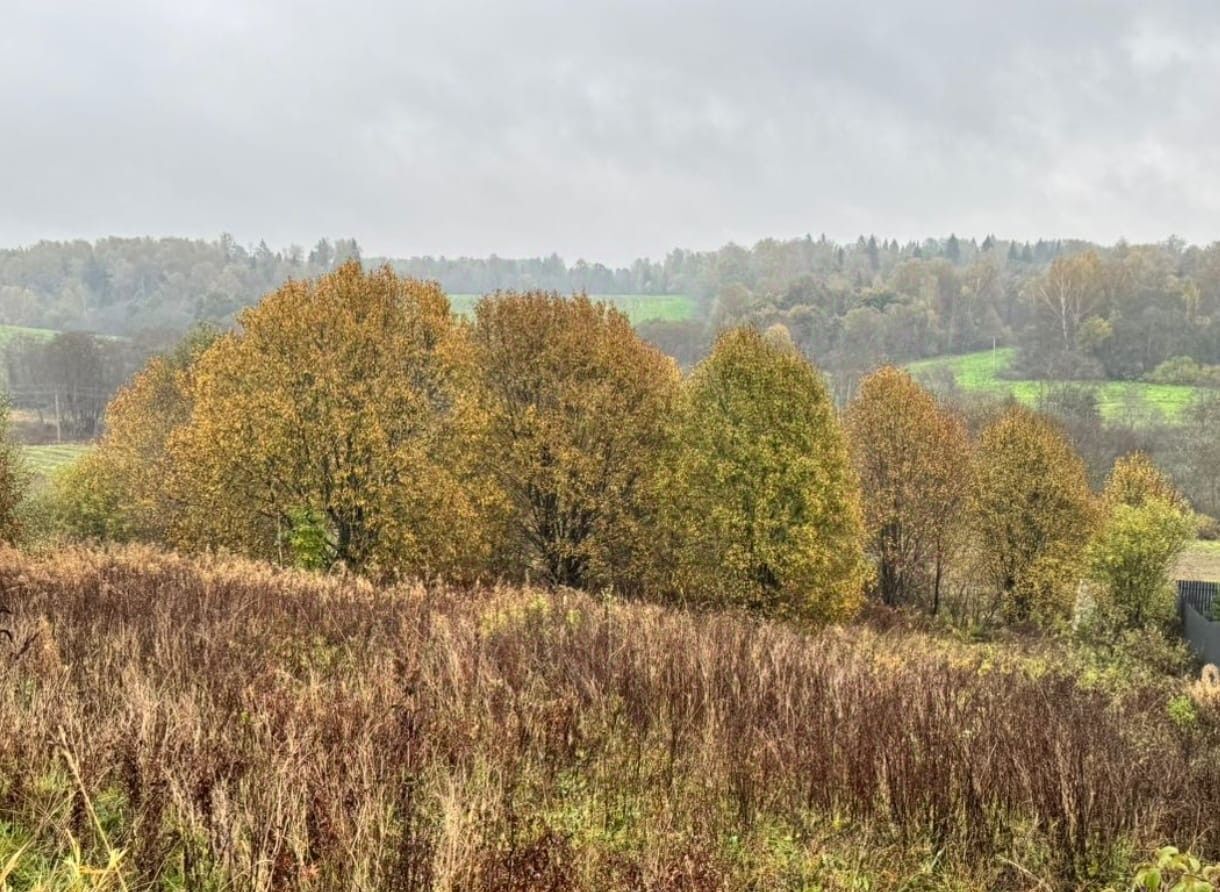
[(638, 307), (11, 332), (44, 461), (1118, 400)]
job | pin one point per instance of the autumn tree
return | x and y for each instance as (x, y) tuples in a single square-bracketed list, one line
[(764, 504), (578, 407), (117, 490), (69, 377), (14, 482), (913, 461), (1146, 525), (1196, 451), (341, 414), (1065, 297), (1034, 515), (1135, 480)]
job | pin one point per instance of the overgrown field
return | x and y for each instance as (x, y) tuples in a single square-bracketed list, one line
[(209, 725), (1200, 560), (1132, 401), (637, 307)]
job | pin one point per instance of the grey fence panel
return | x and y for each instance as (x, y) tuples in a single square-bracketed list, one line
[(1195, 605), (1199, 595), (1201, 634)]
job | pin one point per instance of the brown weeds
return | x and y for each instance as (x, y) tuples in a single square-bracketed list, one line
[(236, 726)]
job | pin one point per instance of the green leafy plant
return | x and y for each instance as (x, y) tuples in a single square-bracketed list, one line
[(1182, 712), (1176, 871), (306, 539)]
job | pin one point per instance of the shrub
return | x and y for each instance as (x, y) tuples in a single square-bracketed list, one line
[(1176, 871), (1185, 370), (1135, 480), (89, 502), (1146, 525), (14, 482), (117, 490), (1207, 527)]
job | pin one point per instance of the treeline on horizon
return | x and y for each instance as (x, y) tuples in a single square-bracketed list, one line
[(353, 421), (1075, 310)]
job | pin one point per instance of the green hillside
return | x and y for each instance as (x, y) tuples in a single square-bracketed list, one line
[(10, 332), (1119, 400)]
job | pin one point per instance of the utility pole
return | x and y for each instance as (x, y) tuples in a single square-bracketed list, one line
[(59, 438)]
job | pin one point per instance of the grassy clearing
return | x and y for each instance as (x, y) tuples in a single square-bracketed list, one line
[(1201, 560), (205, 724), (11, 332), (47, 459), (638, 307), (1118, 400)]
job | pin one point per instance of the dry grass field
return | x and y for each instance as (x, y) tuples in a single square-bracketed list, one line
[(1201, 560), (200, 724)]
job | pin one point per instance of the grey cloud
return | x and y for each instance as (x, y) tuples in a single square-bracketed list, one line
[(607, 129)]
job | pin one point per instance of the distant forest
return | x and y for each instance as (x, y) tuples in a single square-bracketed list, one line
[(1073, 309)]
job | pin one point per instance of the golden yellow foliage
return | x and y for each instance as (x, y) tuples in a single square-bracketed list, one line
[(913, 460), (14, 480), (1034, 515), (117, 490), (1135, 480), (339, 422), (579, 407), (765, 505)]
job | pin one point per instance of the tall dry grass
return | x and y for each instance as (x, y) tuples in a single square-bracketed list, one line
[(240, 727)]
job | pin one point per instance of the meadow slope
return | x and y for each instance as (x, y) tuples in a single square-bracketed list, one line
[(12, 332), (1200, 560), (984, 372)]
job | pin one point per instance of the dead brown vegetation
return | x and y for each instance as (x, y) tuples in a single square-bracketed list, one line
[(237, 726)]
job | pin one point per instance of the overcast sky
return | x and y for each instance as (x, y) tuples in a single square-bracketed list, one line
[(607, 130)]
